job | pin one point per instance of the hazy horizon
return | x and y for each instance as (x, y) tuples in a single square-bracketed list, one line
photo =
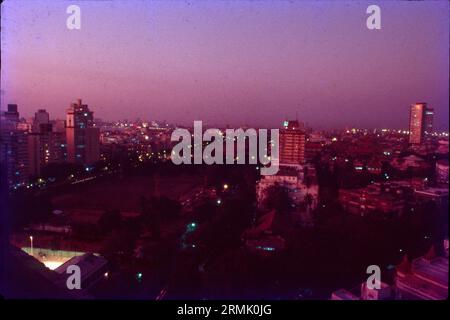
[(235, 63)]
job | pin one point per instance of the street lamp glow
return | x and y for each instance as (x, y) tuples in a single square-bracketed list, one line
[(225, 186), (191, 227), (31, 245)]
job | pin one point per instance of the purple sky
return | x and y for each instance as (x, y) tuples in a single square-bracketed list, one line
[(234, 63)]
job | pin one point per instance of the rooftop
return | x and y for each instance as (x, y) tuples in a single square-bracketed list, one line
[(344, 294), (89, 263)]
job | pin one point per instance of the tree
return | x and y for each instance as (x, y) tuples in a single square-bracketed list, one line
[(277, 198), (169, 208), (60, 171), (109, 221), (119, 244), (308, 201), (152, 210), (205, 210)]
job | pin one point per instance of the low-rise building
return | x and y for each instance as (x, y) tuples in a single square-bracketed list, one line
[(442, 172), (438, 195), (425, 278), (372, 199), (343, 294), (410, 162), (301, 185), (93, 268), (385, 292)]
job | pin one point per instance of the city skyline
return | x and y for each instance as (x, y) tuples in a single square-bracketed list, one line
[(31, 119), (405, 128), (255, 151), (315, 62)]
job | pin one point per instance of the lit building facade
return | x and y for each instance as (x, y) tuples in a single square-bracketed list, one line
[(14, 148), (292, 144), (46, 142), (83, 138), (420, 122)]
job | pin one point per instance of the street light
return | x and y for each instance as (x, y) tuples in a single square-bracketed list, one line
[(31, 241)]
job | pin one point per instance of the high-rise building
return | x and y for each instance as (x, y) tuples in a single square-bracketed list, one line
[(40, 117), (428, 120), (420, 122), (292, 144), (46, 142), (59, 126), (13, 148), (34, 154), (12, 114), (82, 137), (58, 149)]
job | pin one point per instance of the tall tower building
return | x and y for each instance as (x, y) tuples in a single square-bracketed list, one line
[(43, 148), (12, 114), (292, 144), (82, 137), (420, 122), (428, 120), (40, 117), (35, 161), (13, 148), (58, 149)]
